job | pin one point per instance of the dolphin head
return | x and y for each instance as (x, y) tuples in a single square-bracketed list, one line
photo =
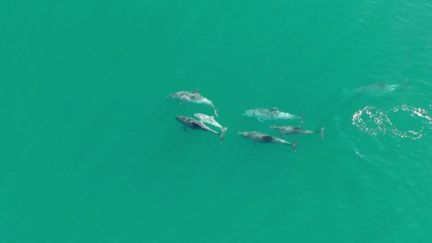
[(249, 113), (180, 118), (244, 134)]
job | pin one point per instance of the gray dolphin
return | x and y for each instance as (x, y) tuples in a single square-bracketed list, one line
[(291, 130), (262, 114), (378, 89), (191, 123), (212, 121), (265, 138), (193, 97)]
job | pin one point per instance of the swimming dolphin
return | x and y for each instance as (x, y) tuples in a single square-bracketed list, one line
[(192, 123), (378, 88), (212, 121), (265, 138), (262, 114), (291, 130), (189, 122), (193, 97)]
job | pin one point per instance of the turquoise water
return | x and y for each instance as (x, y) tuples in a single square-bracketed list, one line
[(90, 150)]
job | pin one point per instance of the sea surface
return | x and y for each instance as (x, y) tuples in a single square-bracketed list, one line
[(90, 150)]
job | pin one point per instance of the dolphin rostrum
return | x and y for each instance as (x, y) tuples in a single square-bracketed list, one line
[(193, 97), (262, 114), (291, 130), (212, 121), (265, 138)]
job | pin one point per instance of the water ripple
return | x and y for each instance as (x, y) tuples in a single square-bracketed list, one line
[(376, 121)]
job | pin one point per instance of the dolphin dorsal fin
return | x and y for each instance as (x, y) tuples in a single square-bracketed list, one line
[(196, 91), (274, 108)]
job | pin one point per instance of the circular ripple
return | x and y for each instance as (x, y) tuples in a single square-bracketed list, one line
[(402, 121)]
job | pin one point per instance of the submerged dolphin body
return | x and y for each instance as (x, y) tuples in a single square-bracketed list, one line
[(265, 138), (291, 130), (191, 123), (262, 114), (193, 97), (376, 89), (212, 121)]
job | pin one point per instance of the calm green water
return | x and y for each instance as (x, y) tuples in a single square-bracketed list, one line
[(90, 150)]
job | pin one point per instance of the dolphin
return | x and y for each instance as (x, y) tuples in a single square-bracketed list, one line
[(378, 89), (190, 122), (291, 130), (194, 97), (212, 121), (262, 114), (265, 138)]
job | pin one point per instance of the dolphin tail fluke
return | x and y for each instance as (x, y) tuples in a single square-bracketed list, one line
[(223, 133), (322, 132), (294, 146)]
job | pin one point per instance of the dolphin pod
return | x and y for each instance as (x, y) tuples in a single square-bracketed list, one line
[(208, 123)]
